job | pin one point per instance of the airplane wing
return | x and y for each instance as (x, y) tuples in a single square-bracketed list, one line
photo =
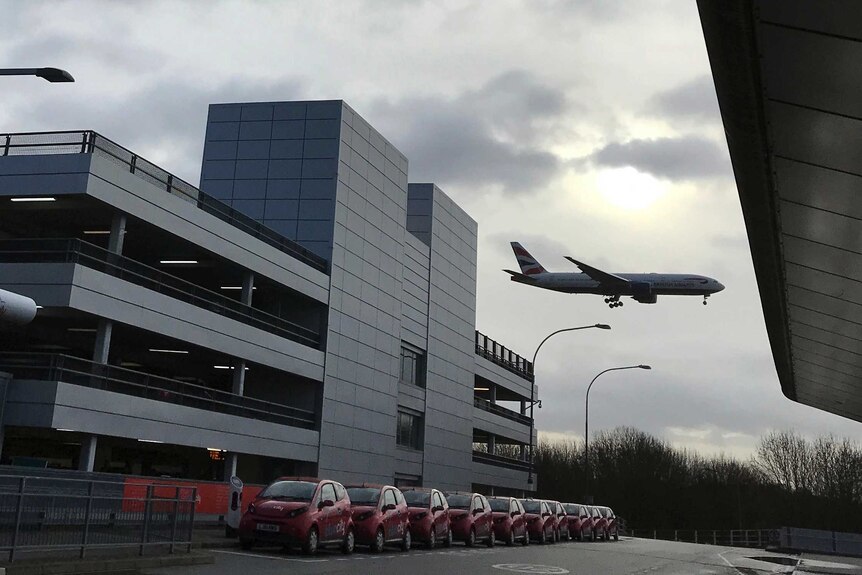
[(604, 278), (519, 277)]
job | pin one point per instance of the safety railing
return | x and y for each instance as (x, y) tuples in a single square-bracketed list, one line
[(754, 538), (76, 371), (40, 515), (486, 405), (502, 356), (84, 253), (90, 142), (500, 461)]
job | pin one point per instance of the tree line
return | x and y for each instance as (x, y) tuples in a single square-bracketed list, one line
[(789, 481)]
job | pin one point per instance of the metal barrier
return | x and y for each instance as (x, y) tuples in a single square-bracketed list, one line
[(90, 142), (40, 514), (70, 250), (486, 405), (500, 461), (76, 371), (502, 356), (754, 538)]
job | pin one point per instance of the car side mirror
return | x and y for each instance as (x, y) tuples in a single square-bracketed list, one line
[(327, 503), (389, 507), (515, 513), (477, 511), (436, 509), (546, 514)]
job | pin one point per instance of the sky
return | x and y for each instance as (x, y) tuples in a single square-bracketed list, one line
[(588, 129)]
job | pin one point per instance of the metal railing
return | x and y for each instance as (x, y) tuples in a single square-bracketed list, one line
[(39, 514), (754, 538), (500, 461), (486, 405), (90, 142), (63, 250), (506, 358), (76, 371)]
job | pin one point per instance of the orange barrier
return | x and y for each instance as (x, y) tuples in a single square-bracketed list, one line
[(212, 498)]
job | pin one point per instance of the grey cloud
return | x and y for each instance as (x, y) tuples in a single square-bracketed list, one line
[(489, 136), (694, 100), (683, 158)]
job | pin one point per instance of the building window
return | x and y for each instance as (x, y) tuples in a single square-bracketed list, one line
[(412, 367), (409, 433)]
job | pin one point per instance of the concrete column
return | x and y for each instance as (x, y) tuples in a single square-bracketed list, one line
[(523, 407), (230, 465), (103, 341), (247, 288), (118, 233), (238, 376), (492, 394), (523, 454), (88, 453), (492, 444)]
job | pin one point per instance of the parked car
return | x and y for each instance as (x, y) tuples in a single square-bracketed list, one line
[(561, 522), (470, 518), (579, 521), (599, 523), (307, 512), (612, 527), (510, 524), (539, 519), (379, 516), (429, 516)]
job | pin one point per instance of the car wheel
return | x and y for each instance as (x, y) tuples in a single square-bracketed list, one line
[(616, 535), (408, 540), (594, 536), (526, 537), (492, 538), (556, 535), (311, 542), (349, 542), (246, 543), (379, 541), (511, 540), (543, 539), (448, 541), (432, 540), (471, 538), (579, 535)]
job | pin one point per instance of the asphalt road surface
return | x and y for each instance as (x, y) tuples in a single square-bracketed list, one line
[(626, 557)]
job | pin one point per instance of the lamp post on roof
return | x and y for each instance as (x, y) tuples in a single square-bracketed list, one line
[(49, 74), (588, 499), (533, 385)]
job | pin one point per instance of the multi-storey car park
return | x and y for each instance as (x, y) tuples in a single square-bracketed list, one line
[(305, 312)]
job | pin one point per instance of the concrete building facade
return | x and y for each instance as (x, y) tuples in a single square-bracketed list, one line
[(305, 311)]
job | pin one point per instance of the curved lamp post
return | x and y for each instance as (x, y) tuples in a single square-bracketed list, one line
[(533, 385), (587, 497), (50, 74)]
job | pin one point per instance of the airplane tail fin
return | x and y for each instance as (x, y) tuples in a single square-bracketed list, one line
[(529, 265)]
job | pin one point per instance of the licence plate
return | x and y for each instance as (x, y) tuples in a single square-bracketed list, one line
[(267, 527)]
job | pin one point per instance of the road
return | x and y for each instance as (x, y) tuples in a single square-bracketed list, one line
[(626, 557)]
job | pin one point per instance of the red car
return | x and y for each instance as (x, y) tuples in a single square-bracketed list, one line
[(379, 516), (470, 518), (561, 526), (578, 520), (612, 526), (509, 523), (540, 520), (600, 524), (291, 511), (429, 516)]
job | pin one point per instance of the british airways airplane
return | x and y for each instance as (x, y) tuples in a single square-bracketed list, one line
[(643, 288)]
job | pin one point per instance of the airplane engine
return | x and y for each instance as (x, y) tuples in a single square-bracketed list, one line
[(642, 292), (15, 309)]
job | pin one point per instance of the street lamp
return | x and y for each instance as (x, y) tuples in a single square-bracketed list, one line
[(533, 385), (587, 498), (50, 74)]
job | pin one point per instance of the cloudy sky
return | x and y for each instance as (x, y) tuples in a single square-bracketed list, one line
[(587, 129)]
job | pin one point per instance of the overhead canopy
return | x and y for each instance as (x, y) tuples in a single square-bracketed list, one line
[(788, 74)]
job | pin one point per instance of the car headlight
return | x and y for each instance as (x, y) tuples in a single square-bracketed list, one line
[(297, 512), (418, 516), (251, 508), (363, 516)]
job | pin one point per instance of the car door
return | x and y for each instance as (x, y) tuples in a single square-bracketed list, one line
[(327, 522), (547, 519), (483, 518), (439, 522), (391, 521), (517, 515)]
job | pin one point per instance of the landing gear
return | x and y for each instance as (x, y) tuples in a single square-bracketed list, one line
[(704, 299), (613, 301)]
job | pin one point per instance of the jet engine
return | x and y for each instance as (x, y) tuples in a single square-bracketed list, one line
[(642, 292), (15, 309)]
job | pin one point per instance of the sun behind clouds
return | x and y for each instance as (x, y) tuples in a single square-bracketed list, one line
[(628, 188)]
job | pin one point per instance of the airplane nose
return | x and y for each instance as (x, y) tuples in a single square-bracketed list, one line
[(720, 286)]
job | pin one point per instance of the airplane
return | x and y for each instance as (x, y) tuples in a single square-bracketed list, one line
[(643, 288)]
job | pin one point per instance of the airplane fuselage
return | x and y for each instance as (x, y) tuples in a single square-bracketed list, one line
[(659, 284)]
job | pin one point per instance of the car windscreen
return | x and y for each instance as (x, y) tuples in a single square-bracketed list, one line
[(417, 498), (499, 505), (459, 501), (532, 507), (363, 495), (289, 491), (571, 509)]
